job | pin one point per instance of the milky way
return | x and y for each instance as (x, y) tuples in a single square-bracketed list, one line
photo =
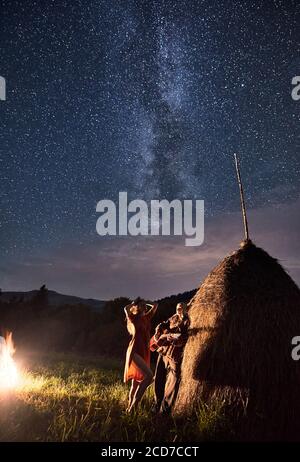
[(149, 97)]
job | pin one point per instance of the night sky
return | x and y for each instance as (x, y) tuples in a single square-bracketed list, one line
[(152, 98)]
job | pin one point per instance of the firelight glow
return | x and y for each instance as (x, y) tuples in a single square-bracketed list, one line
[(9, 375)]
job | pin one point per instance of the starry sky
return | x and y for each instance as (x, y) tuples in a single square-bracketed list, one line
[(152, 98)]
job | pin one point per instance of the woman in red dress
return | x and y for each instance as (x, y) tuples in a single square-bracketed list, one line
[(137, 366)]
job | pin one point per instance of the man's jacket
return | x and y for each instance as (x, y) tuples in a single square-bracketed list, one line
[(173, 348)]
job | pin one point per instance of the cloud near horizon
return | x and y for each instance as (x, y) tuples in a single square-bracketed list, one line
[(154, 267)]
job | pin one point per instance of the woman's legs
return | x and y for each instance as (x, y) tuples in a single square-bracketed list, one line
[(134, 385), (144, 384)]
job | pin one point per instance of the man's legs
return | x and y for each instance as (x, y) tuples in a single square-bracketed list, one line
[(159, 382), (172, 385)]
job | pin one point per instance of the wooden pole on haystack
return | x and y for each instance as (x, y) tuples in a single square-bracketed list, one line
[(237, 166)]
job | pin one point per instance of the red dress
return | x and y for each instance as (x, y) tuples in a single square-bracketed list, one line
[(139, 327)]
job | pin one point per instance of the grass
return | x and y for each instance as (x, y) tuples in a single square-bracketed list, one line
[(65, 398)]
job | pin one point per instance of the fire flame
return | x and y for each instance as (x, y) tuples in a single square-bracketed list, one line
[(8, 370)]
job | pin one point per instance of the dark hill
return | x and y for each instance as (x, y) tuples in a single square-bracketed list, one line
[(54, 299)]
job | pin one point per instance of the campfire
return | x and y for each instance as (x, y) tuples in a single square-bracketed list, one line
[(8, 370)]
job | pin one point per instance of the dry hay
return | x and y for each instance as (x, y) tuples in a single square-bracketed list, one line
[(243, 319)]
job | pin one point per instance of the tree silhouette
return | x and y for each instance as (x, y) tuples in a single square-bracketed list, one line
[(41, 298)]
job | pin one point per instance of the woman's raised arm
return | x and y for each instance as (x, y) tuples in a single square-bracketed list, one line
[(127, 309), (150, 313)]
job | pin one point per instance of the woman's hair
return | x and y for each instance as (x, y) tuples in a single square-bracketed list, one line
[(139, 302), (130, 326)]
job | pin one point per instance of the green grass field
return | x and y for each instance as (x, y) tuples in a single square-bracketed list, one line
[(65, 398)]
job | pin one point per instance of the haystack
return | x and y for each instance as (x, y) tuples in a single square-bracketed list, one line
[(243, 319)]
